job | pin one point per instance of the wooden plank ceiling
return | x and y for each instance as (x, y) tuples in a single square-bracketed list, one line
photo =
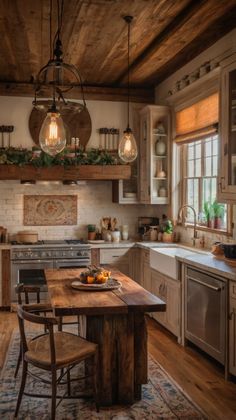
[(165, 35)]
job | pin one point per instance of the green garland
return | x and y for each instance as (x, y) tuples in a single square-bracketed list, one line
[(39, 159)]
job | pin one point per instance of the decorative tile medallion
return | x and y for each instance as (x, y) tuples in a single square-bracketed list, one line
[(50, 210)]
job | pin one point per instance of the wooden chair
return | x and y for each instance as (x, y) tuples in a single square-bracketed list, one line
[(28, 295), (31, 295), (53, 351)]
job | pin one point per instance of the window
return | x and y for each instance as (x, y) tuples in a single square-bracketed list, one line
[(200, 183)]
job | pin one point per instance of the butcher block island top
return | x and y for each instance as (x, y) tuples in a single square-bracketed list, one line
[(66, 300), (115, 321)]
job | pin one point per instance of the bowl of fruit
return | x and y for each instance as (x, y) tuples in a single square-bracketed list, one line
[(96, 278), (96, 275)]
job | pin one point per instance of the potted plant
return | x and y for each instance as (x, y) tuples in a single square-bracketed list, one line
[(218, 214), (168, 232), (208, 214), (91, 232)]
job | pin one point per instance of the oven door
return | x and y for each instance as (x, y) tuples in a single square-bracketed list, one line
[(71, 263), (29, 273)]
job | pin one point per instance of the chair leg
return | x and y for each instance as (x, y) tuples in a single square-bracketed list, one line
[(18, 363), (78, 319), (22, 387), (54, 394), (60, 323), (95, 380), (68, 382)]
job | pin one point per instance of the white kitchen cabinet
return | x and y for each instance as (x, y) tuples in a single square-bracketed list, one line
[(159, 289), (227, 155), (232, 328), (155, 161), (134, 264), (145, 272), (118, 257), (168, 290)]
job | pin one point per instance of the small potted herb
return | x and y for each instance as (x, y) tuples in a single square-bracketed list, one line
[(168, 232), (218, 211), (91, 232), (208, 213)]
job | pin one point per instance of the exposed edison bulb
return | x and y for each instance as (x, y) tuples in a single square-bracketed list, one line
[(127, 150), (52, 136)]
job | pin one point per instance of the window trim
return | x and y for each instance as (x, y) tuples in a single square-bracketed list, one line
[(182, 197), (198, 90)]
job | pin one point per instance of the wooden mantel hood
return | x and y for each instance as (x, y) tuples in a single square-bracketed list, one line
[(61, 173)]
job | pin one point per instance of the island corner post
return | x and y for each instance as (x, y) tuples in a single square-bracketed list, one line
[(115, 320)]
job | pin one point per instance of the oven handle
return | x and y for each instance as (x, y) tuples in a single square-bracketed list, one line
[(72, 261), (31, 261), (217, 289)]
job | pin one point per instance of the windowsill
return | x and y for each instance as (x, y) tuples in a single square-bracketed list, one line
[(207, 229)]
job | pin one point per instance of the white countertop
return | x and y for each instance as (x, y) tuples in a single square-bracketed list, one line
[(201, 258), (210, 263)]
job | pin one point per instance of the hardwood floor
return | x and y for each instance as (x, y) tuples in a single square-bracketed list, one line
[(202, 379)]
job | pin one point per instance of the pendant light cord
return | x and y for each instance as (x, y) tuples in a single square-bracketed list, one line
[(128, 69), (50, 31), (128, 20)]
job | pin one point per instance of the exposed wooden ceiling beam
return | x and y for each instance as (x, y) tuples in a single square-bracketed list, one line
[(91, 92), (220, 28), (188, 25)]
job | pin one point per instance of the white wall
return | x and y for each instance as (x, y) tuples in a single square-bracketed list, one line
[(217, 51), (94, 198), (16, 111)]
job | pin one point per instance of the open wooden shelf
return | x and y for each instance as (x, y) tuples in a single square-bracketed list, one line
[(61, 173)]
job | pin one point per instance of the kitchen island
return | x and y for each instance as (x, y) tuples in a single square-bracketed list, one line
[(115, 320)]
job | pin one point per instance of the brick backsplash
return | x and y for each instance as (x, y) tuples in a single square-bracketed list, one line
[(94, 202)]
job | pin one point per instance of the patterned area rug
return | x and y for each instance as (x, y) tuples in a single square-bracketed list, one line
[(161, 398)]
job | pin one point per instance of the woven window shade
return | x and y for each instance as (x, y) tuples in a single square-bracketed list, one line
[(198, 121)]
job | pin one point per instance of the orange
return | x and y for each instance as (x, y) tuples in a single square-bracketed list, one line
[(99, 277), (106, 273), (104, 279), (90, 279)]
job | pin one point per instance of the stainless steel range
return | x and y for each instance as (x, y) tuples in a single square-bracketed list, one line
[(28, 261)]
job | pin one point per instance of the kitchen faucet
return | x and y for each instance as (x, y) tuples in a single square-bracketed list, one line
[(194, 220)]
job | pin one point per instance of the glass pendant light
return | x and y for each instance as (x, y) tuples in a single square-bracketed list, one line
[(56, 75), (127, 149), (52, 136)]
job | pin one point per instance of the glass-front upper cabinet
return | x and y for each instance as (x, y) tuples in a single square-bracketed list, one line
[(155, 156), (227, 162)]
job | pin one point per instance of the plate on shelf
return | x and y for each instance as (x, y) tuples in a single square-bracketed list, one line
[(111, 284), (158, 133), (98, 241), (130, 195)]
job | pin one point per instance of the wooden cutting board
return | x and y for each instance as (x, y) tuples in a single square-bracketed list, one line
[(230, 261)]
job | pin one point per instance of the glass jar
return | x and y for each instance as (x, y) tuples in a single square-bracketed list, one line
[(125, 232), (153, 233)]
